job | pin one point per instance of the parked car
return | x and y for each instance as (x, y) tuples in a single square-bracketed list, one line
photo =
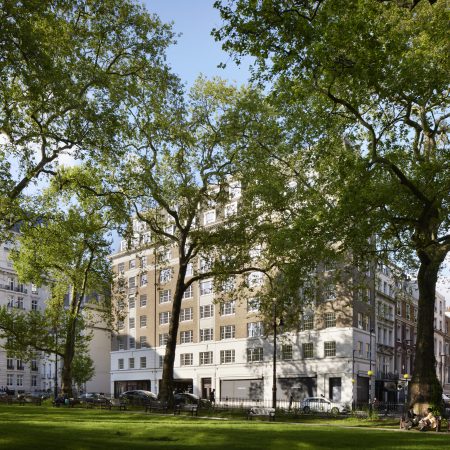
[(186, 398), (446, 400), (139, 397), (321, 404), (92, 397)]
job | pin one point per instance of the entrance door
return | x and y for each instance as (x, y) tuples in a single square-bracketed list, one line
[(206, 387), (335, 389)]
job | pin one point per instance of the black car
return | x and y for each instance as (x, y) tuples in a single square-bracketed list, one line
[(139, 397), (186, 398)]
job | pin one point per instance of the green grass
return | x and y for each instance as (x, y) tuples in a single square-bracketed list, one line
[(35, 428)]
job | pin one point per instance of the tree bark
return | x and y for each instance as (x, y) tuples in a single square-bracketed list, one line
[(69, 352), (425, 389), (166, 391)]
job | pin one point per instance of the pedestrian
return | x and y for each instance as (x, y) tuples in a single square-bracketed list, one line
[(291, 400), (212, 396), (412, 419)]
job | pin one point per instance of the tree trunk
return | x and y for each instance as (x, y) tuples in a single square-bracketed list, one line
[(69, 352), (425, 389), (166, 391)]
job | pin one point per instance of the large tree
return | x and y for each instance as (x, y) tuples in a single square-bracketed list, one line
[(69, 74), (363, 86)]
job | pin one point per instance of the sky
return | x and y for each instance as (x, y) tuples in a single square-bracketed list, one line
[(196, 53)]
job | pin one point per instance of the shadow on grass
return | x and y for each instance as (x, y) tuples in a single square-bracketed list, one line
[(76, 429)]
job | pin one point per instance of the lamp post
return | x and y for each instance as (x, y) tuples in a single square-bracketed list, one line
[(274, 375), (406, 378), (56, 365), (370, 371), (353, 379)]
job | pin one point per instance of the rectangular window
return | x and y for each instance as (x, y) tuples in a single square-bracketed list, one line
[(255, 279), (408, 312), (230, 209), (254, 329), (227, 356), (286, 352), (120, 342), (34, 289), (330, 319), (186, 337), (228, 308), (131, 363), (188, 293), (205, 265), (206, 311), (144, 279), (206, 334), (206, 358), (19, 381), (132, 264), (143, 362), (165, 275), (143, 261), (143, 341), (164, 317), (131, 302), (20, 365), (9, 379), (121, 268), (329, 348), (34, 305), (307, 322), (254, 354), (19, 302), (163, 339), (209, 217), (10, 363), (34, 365), (120, 364), (165, 296), (308, 350), (161, 360), (329, 292), (120, 324), (253, 305), (360, 348), (206, 287), (227, 332), (33, 380), (143, 321), (132, 342), (131, 322), (186, 359), (132, 282), (186, 314), (189, 270), (143, 301)]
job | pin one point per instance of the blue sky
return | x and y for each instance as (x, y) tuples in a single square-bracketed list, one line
[(196, 51)]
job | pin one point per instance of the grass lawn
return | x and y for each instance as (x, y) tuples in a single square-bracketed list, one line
[(47, 428)]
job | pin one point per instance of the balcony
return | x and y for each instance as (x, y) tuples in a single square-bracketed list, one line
[(8, 287)]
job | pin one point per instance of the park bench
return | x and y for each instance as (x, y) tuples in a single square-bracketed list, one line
[(361, 414), (189, 408), (261, 412), (117, 403), (6, 399), (37, 401), (156, 407)]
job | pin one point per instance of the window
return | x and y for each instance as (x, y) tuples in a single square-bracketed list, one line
[(188, 293), (307, 322), (408, 312), (120, 324), (363, 321), (165, 296), (132, 264), (227, 332), (254, 329), (131, 322), (163, 337), (19, 364), (143, 261), (19, 302), (132, 342), (189, 270), (143, 301), (330, 319), (164, 317), (19, 381), (34, 289), (34, 380), (205, 265), (206, 334), (186, 359), (143, 362), (398, 309), (120, 364), (131, 363), (165, 255), (10, 363), (206, 311), (255, 279), (206, 287), (234, 190), (121, 268), (308, 350), (254, 354), (230, 209), (206, 358), (120, 343), (360, 348), (144, 279), (165, 275), (9, 379), (132, 282), (209, 217), (227, 356), (186, 314), (329, 348), (34, 365), (131, 303), (161, 360), (367, 350), (286, 352), (329, 292), (143, 341), (34, 305), (228, 308), (143, 321), (186, 336), (228, 285), (253, 305)]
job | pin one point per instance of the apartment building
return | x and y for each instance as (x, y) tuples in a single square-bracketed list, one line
[(16, 375)]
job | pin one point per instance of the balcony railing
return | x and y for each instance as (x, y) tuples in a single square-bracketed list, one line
[(8, 287)]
